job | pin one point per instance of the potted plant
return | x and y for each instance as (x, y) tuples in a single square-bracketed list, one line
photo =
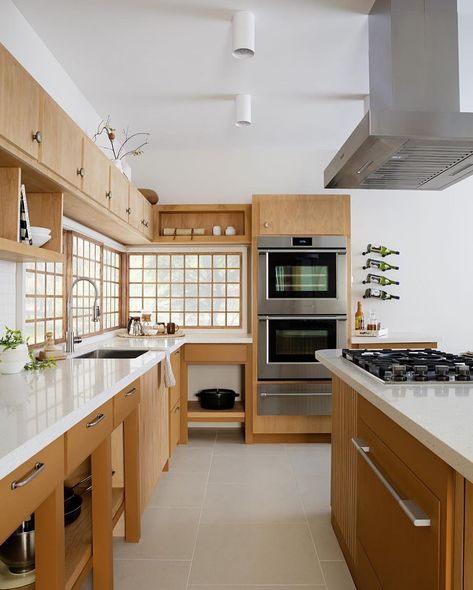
[(13, 352)]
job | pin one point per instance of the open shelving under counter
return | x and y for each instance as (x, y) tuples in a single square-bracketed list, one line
[(195, 413)]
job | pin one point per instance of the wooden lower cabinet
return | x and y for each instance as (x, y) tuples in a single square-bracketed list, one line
[(385, 548), (154, 431), (175, 403), (174, 427)]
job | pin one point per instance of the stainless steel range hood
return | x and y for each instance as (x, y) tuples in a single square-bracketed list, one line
[(414, 135)]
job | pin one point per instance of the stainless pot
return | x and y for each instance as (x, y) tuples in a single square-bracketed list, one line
[(18, 551)]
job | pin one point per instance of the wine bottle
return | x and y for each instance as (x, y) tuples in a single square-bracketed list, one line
[(380, 265), (359, 317), (379, 294), (381, 250), (379, 280)]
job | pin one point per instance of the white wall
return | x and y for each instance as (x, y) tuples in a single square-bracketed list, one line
[(432, 230), (22, 41)]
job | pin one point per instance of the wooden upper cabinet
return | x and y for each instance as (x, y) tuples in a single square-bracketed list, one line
[(96, 180), (136, 208), (148, 218), (119, 187), (301, 214), (61, 148), (19, 104)]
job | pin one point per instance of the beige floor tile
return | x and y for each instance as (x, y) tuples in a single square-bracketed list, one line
[(166, 533), (201, 437), (191, 459), (314, 492), (324, 538), (251, 469), (180, 488), (255, 554), (130, 574), (313, 462), (337, 576), (252, 503), (234, 447)]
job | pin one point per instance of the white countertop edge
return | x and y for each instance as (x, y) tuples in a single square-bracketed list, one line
[(333, 360), (395, 338), (24, 452)]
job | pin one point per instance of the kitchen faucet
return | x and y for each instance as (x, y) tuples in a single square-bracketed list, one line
[(70, 338)]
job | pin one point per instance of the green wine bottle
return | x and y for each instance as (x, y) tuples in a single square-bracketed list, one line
[(379, 264), (379, 294), (381, 250), (379, 280)]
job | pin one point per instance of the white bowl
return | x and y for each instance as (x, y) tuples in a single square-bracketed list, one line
[(39, 240), (40, 230)]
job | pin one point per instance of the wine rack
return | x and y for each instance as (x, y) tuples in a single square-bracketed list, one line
[(379, 266)]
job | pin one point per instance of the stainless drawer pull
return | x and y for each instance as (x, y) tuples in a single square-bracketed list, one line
[(306, 394), (19, 483), (414, 512), (131, 392), (95, 421)]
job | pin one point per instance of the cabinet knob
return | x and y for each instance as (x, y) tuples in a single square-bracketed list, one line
[(37, 136), (81, 172), (266, 224), (128, 210), (108, 194)]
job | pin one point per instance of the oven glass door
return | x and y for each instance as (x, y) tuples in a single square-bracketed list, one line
[(296, 340), (302, 275)]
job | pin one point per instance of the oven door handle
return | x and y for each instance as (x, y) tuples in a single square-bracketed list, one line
[(339, 318), (306, 394)]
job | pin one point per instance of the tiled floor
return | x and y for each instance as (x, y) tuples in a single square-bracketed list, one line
[(229, 516)]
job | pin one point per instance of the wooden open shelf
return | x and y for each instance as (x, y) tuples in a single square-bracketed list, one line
[(197, 414), (18, 252)]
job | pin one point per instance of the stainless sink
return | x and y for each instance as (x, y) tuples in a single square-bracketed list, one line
[(111, 354)]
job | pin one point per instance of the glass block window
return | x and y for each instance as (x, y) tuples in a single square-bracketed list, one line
[(86, 262), (110, 289), (44, 301), (193, 290)]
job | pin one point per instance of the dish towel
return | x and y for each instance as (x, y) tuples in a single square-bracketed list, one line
[(169, 379)]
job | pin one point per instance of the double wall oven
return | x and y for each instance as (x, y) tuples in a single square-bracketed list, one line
[(302, 307)]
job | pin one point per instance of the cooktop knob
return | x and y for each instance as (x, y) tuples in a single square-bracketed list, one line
[(462, 372), (399, 372), (442, 372), (420, 372)]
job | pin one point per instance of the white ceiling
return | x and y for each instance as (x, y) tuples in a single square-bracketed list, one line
[(165, 66)]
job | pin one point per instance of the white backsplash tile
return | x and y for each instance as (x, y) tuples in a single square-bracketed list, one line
[(7, 295)]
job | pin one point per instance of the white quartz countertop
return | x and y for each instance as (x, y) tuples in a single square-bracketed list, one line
[(440, 416), (394, 338), (38, 407)]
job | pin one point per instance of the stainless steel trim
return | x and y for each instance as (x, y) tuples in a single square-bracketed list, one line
[(314, 394), (341, 317), (20, 483), (413, 511), (295, 399), (99, 418), (308, 250), (318, 242)]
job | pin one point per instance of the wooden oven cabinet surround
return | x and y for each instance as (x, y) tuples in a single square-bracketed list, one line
[(54, 156), (383, 548), (299, 215)]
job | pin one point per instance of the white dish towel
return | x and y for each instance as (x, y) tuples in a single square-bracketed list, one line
[(169, 379)]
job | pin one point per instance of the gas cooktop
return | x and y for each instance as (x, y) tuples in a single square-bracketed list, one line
[(412, 366)]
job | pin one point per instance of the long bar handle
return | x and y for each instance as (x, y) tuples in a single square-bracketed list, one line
[(19, 483), (413, 511), (95, 421), (305, 394), (131, 392)]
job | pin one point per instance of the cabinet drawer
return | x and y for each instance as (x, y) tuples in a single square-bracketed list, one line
[(85, 437), (32, 483), (125, 402), (175, 392), (175, 427), (401, 554), (209, 353)]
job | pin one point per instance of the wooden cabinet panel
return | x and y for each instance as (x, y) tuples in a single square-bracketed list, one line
[(46, 470), (87, 435), (119, 187), (19, 104), (174, 427), (216, 353), (148, 219), (302, 214), (125, 402), (96, 180), (175, 392), (61, 148), (136, 208), (154, 431)]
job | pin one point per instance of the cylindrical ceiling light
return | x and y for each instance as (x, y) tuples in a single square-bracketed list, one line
[(243, 110), (243, 34)]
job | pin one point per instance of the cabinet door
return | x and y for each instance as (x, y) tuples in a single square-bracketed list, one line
[(175, 427), (303, 214), (19, 104), (135, 217), (175, 392), (119, 187), (61, 148), (148, 218), (96, 180)]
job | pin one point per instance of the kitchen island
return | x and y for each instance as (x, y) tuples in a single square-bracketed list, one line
[(402, 463)]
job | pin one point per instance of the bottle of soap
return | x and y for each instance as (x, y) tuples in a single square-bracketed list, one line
[(359, 317)]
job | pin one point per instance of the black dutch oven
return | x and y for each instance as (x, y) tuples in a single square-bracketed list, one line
[(73, 501), (217, 399)]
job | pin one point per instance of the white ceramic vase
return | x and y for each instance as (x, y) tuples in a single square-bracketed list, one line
[(126, 169), (13, 360), (118, 164)]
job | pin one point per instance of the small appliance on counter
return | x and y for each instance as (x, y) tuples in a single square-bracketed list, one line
[(134, 327)]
